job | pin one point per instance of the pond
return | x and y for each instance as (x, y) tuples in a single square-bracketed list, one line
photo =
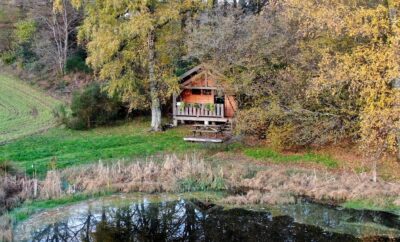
[(174, 218)]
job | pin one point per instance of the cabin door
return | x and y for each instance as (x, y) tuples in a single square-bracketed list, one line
[(219, 99)]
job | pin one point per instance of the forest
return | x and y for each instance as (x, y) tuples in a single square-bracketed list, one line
[(304, 73), (308, 76)]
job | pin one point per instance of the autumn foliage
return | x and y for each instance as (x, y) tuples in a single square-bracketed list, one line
[(319, 71), (305, 72)]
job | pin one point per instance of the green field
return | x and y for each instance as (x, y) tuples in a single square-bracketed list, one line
[(63, 148), (26, 112), (23, 109)]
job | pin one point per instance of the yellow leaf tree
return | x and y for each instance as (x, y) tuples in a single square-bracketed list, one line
[(368, 68), (132, 46)]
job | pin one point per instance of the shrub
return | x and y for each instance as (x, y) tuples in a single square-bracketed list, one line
[(25, 30), (290, 127), (77, 63), (22, 50), (93, 107), (61, 114), (76, 123), (253, 121), (8, 57), (281, 136)]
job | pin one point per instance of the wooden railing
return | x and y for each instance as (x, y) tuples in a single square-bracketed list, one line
[(202, 110)]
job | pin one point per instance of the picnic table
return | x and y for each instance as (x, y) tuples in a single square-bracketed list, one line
[(207, 129)]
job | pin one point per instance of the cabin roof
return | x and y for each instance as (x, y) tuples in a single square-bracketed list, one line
[(185, 76), (218, 77)]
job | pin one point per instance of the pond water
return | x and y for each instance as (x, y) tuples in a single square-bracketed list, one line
[(174, 218)]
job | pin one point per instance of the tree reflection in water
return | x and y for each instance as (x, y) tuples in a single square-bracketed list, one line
[(180, 221)]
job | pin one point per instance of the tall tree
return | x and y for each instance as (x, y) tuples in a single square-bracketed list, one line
[(133, 46), (343, 55), (58, 21)]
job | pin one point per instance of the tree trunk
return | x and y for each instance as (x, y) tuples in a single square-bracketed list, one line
[(155, 100), (374, 171), (398, 145), (66, 39)]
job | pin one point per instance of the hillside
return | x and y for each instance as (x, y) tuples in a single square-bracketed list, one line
[(24, 110)]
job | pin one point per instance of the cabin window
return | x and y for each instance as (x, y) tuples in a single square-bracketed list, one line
[(196, 92), (206, 92)]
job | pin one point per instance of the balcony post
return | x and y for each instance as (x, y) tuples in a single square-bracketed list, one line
[(174, 105)]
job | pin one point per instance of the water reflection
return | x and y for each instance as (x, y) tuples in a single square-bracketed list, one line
[(361, 223), (181, 220)]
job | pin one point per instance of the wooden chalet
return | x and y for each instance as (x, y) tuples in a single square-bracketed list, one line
[(204, 97)]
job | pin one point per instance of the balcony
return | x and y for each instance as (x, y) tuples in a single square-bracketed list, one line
[(199, 110)]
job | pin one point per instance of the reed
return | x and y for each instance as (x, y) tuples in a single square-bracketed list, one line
[(6, 231), (273, 184), (149, 176), (279, 181)]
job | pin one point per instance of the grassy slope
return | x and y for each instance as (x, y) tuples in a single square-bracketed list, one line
[(68, 147), (23, 109)]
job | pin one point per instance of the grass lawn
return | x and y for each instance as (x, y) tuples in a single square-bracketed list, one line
[(62, 147), (24, 110), (276, 157)]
